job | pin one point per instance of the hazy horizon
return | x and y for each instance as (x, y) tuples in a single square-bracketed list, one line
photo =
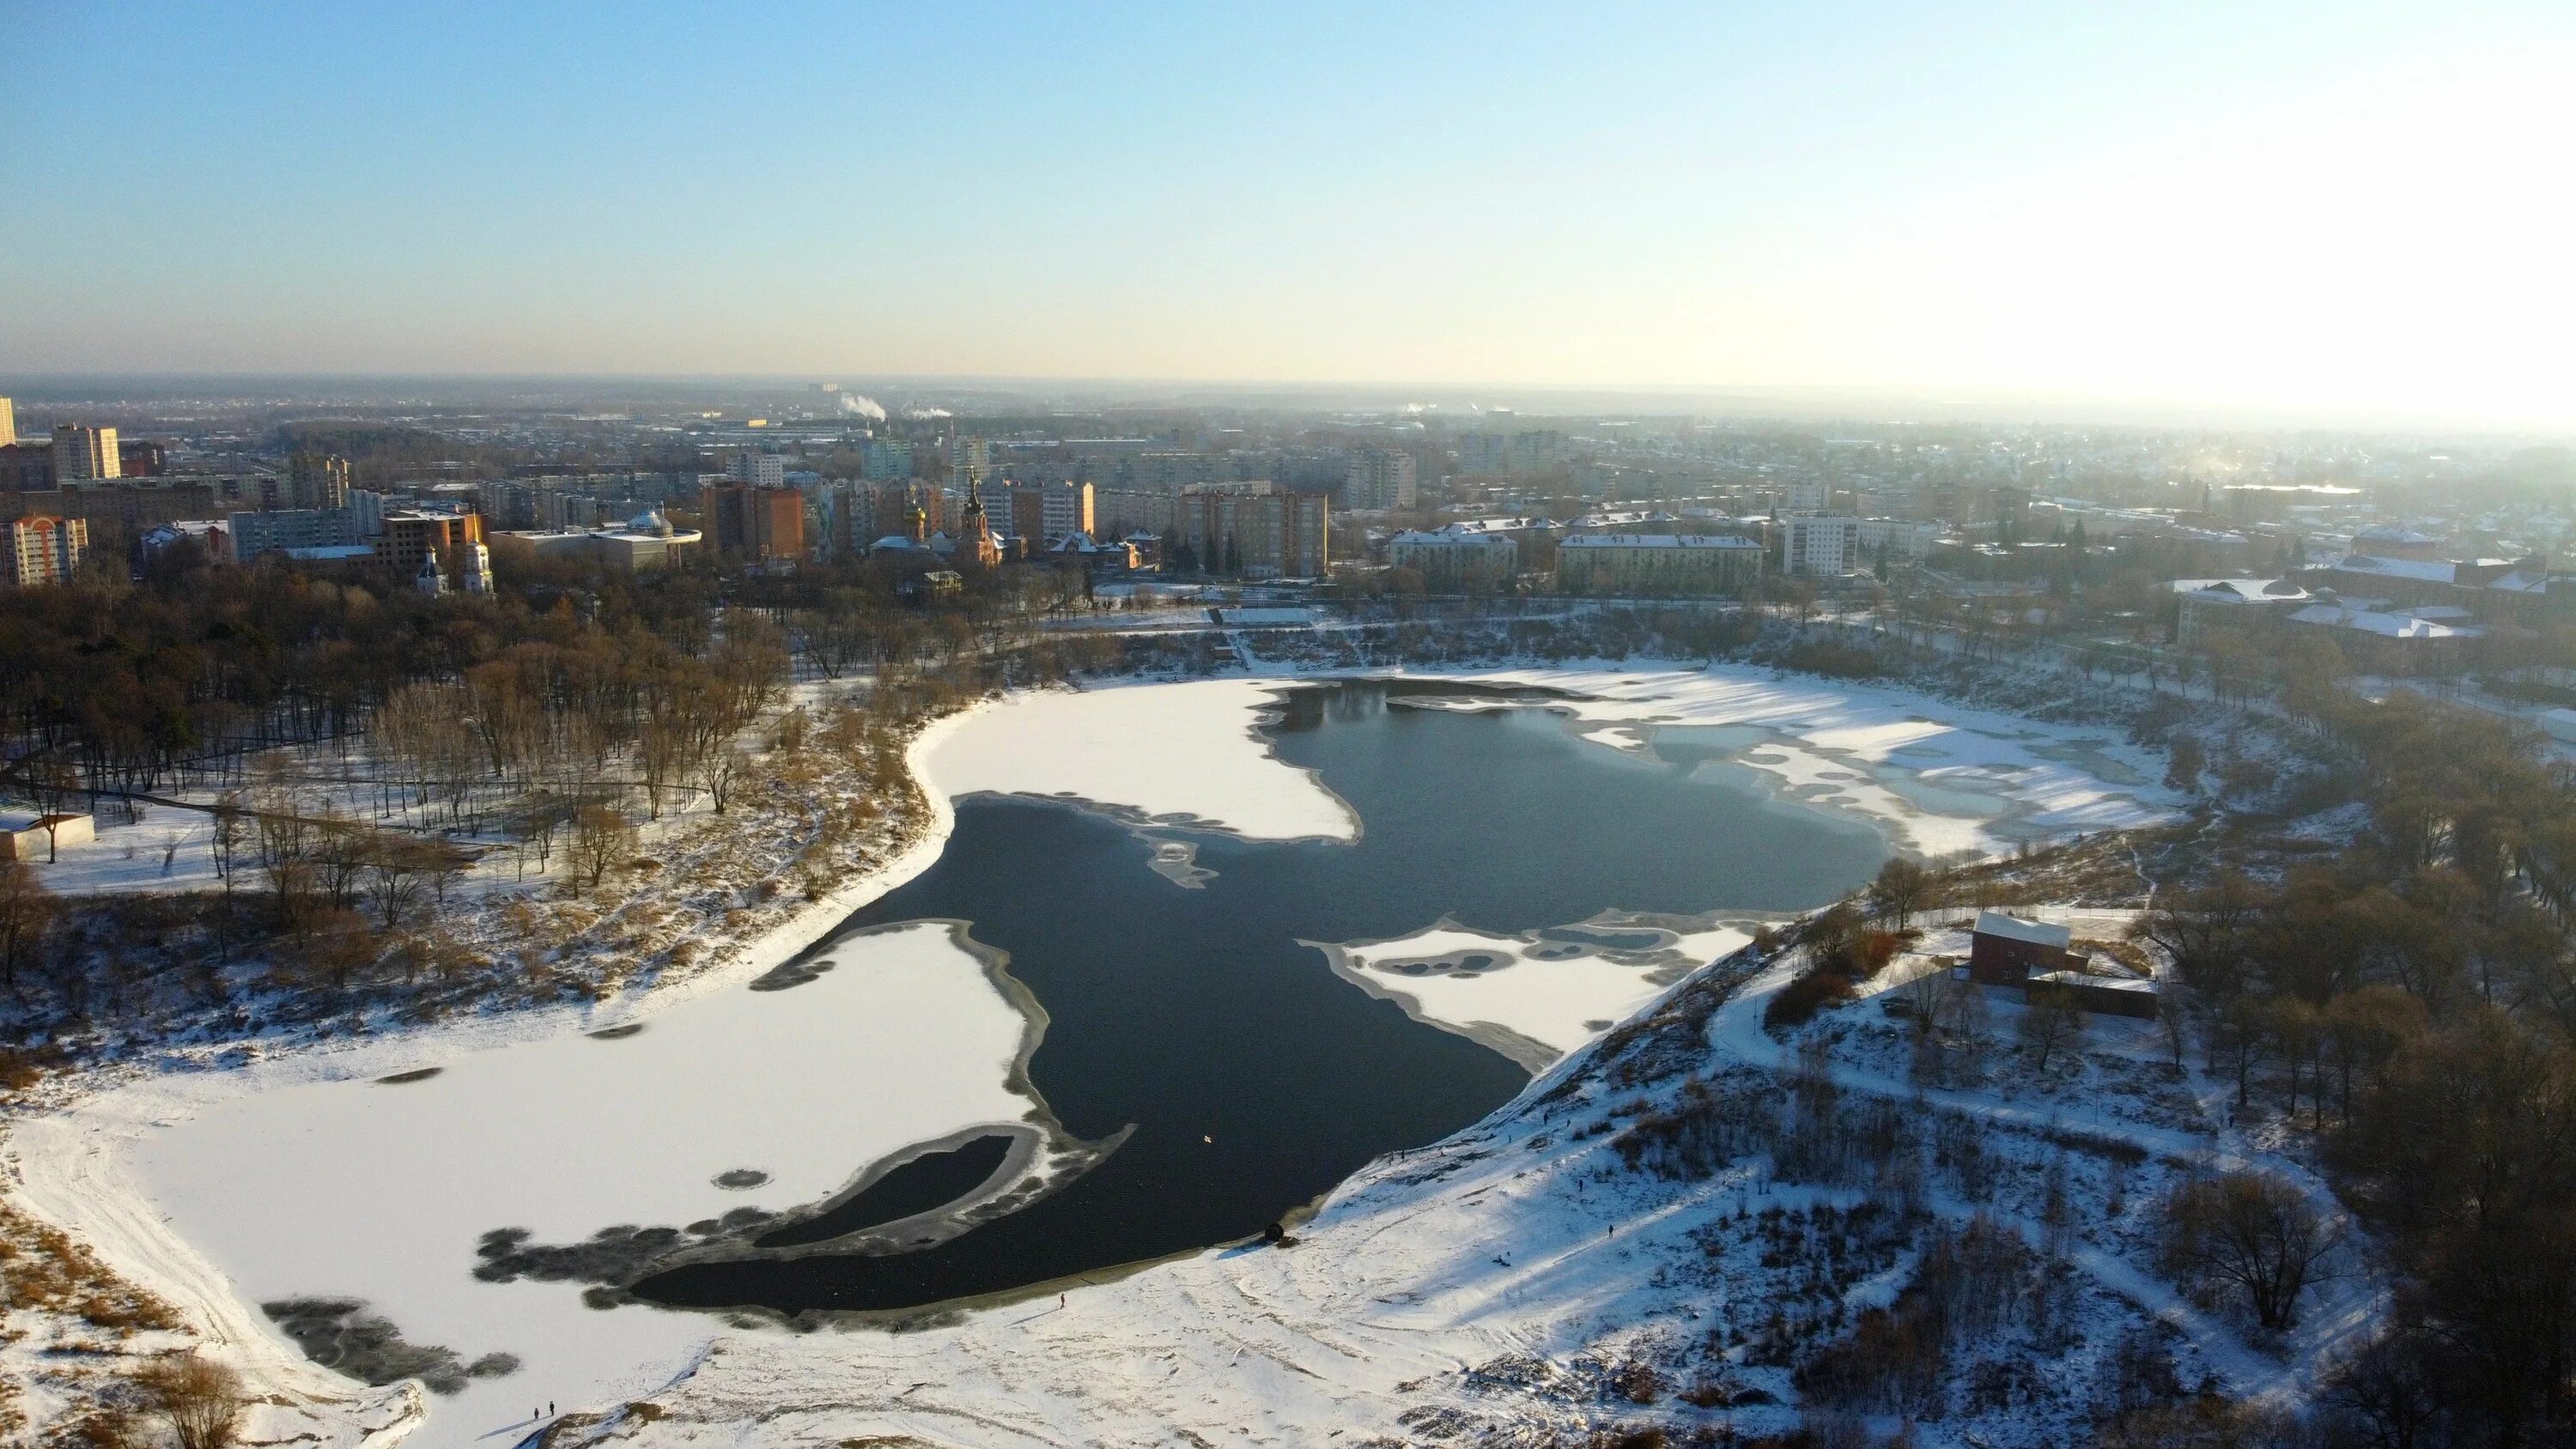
[(2211, 215)]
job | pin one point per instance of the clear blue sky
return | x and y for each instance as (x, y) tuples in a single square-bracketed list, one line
[(2344, 207)]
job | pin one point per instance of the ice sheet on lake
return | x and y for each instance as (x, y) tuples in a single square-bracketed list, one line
[(1167, 751), (1538, 996), (1939, 778), (379, 1191)]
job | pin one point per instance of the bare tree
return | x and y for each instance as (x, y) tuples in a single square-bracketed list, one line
[(2173, 1013), (659, 752), (395, 866), (335, 945), (201, 1400), (2051, 1022), (724, 772), (2255, 1231), (601, 841), (56, 783), (26, 913), (224, 840), (1901, 888)]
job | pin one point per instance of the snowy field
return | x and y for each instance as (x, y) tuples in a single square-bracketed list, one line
[(303, 1176)]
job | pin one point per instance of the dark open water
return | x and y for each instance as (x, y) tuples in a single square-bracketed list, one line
[(1255, 1078)]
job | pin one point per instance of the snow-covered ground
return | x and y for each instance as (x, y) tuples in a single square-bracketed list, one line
[(1512, 1282), (121, 1170), (171, 846), (533, 1125)]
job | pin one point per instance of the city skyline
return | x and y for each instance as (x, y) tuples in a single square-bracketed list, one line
[(2295, 212)]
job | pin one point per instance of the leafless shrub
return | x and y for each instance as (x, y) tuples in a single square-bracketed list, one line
[(199, 1399)]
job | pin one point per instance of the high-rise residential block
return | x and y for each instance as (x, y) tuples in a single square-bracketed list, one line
[(1270, 533), (754, 524), (83, 455), (414, 537), (1379, 478), (884, 460), (8, 423), (1820, 546), (44, 549), (317, 480), (1068, 509)]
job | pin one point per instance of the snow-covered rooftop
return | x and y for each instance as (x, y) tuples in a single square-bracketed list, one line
[(2386, 626), (1658, 540), (2014, 928)]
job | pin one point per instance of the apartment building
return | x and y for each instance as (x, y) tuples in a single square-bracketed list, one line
[(44, 549)]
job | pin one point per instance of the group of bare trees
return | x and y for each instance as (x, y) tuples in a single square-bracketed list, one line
[(584, 721), (2410, 1000)]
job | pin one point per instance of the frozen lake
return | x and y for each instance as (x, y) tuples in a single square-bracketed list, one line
[(1094, 1032), (1248, 1076)]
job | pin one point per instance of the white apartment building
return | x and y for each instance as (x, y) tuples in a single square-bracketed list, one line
[(1452, 560), (761, 470), (1065, 508), (1820, 546), (1897, 537), (1380, 478)]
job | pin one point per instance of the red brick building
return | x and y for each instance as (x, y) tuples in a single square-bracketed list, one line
[(2006, 950)]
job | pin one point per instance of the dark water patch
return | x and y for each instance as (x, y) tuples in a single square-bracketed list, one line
[(1253, 1078), (615, 1033), (1604, 939), (789, 974), (610, 1256), (741, 1179), (925, 1183), (341, 1335), (416, 1074)]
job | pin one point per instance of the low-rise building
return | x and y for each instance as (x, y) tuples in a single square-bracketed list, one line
[(2239, 606), (1454, 559), (211, 536), (2101, 995), (22, 838), (2429, 638), (279, 529), (1657, 564), (644, 544), (2007, 950)]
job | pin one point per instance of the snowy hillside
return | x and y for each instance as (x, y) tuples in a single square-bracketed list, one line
[(1694, 1227)]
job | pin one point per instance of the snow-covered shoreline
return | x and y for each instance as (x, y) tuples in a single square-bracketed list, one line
[(1151, 757), (75, 1166)]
